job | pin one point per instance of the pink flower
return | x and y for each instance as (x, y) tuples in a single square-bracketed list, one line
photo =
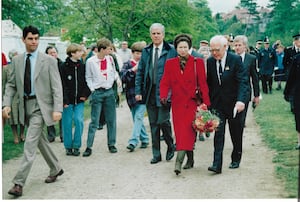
[(205, 121)]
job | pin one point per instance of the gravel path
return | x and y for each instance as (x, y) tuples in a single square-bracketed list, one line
[(127, 175)]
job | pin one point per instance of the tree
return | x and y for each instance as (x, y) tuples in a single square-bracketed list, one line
[(285, 20), (130, 19), (44, 14)]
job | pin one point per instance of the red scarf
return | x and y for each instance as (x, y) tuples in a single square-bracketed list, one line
[(103, 68)]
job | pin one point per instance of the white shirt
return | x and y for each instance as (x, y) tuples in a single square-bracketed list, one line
[(95, 78), (159, 50), (223, 62), (243, 56)]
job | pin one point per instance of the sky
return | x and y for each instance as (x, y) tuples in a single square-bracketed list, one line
[(225, 6)]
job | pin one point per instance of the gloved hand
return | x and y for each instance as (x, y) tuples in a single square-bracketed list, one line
[(164, 101)]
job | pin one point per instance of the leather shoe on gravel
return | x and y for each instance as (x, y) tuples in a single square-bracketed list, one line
[(51, 179), (17, 190)]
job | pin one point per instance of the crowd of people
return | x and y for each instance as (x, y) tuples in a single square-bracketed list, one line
[(158, 78)]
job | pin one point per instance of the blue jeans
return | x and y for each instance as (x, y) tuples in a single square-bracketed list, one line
[(139, 130), (73, 112), (103, 99)]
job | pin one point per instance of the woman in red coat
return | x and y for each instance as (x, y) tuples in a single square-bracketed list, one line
[(179, 78)]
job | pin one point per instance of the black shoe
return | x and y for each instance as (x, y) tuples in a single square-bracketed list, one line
[(100, 127), (144, 145), (130, 147), (155, 160), (214, 169), (170, 153), (76, 152), (177, 171), (69, 152), (297, 147), (112, 149), (234, 164), (51, 139), (87, 152)]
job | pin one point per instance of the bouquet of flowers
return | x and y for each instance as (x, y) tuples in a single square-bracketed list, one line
[(205, 121)]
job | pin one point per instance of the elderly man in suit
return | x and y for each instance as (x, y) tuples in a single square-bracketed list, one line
[(40, 92), (149, 73), (249, 62), (228, 84)]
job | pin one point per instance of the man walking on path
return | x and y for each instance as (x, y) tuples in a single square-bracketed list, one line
[(40, 93), (228, 84), (149, 74)]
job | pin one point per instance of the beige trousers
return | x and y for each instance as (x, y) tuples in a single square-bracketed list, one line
[(35, 138)]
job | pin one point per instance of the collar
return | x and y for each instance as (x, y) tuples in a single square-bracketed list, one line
[(33, 54), (243, 56), (159, 47), (223, 60)]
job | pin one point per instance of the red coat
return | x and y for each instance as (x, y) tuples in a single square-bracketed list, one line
[(182, 86)]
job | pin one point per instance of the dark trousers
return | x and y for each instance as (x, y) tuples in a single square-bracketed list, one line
[(51, 132), (266, 82), (236, 127), (159, 119)]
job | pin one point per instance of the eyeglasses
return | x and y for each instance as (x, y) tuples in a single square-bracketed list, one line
[(215, 50)]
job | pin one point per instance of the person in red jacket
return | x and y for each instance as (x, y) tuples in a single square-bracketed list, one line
[(179, 78)]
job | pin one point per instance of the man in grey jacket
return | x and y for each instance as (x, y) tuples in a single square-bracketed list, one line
[(41, 103)]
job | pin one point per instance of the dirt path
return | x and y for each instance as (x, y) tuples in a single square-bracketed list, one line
[(126, 175)]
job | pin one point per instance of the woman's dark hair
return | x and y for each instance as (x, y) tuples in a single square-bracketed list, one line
[(50, 47), (31, 29), (183, 37)]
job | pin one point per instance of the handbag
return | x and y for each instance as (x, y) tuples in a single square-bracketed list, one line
[(198, 94)]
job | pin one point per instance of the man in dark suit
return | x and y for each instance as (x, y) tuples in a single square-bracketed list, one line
[(41, 103), (249, 62), (228, 84), (149, 74), (288, 57)]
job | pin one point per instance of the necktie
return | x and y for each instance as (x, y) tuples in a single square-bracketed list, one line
[(27, 76), (155, 65), (220, 71)]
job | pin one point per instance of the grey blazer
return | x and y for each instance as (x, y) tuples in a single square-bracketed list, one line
[(47, 84)]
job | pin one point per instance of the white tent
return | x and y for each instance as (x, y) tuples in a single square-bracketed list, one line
[(11, 39)]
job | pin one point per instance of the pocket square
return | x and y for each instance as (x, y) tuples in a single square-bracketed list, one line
[(226, 68)]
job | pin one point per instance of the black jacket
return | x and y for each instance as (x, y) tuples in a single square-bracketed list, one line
[(73, 81), (234, 87)]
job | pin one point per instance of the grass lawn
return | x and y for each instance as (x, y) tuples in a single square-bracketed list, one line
[(278, 131)]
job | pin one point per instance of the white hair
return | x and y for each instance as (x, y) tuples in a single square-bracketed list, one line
[(219, 39), (157, 25), (241, 38)]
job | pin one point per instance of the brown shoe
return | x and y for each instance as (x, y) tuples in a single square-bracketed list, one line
[(51, 179), (16, 190)]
